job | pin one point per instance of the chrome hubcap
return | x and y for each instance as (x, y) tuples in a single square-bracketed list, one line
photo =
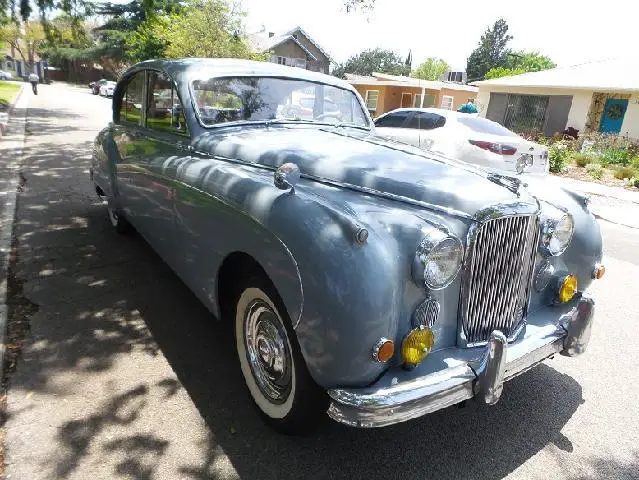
[(267, 351)]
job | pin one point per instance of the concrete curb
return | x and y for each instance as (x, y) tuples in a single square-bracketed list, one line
[(11, 149)]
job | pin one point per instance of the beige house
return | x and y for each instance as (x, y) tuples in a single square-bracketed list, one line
[(592, 97), (383, 93), (294, 48)]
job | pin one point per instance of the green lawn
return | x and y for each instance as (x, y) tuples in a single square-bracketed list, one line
[(8, 91)]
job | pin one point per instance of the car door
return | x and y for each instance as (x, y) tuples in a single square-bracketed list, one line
[(166, 144), (127, 135)]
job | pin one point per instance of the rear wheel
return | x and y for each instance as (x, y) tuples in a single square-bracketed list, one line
[(271, 362)]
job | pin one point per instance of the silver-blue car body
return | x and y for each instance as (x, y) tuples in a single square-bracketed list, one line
[(365, 278)]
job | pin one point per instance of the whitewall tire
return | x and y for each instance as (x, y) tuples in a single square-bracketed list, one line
[(118, 221), (271, 361)]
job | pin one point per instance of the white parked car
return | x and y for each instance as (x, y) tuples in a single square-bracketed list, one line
[(106, 90), (5, 75), (466, 137)]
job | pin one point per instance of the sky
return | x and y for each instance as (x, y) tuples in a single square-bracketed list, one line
[(569, 32)]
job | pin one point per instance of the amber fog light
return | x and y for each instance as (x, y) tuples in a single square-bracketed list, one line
[(598, 272), (567, 288), (383, 350), (417, 345)]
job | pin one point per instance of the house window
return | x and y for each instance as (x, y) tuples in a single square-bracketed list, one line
[(447, 102), (429, 101), (526, 113), (371, 99)]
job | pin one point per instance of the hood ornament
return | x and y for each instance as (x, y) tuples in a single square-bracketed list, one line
[(511, 183)]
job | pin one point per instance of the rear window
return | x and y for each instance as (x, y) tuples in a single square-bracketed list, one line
[(482, 125)]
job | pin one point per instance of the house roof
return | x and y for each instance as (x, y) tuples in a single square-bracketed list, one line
[(261, 41), (401, 81), (605, 75)]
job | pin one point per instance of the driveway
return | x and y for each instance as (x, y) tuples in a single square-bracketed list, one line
[(124, 374)]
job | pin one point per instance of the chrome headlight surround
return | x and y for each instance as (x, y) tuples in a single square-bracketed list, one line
[(438, 259), (556, 234)]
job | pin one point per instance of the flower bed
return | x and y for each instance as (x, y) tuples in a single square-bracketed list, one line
[(608, 159)]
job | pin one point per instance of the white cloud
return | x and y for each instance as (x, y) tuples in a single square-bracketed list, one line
[(569, 32)]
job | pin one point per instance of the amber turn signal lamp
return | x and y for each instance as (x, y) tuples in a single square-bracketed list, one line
[(383, 350), (567, 288), (598, 272)]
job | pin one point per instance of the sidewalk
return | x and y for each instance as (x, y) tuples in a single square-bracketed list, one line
[(612, 204)]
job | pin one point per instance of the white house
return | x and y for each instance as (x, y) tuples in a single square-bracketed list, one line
[(598, 96)]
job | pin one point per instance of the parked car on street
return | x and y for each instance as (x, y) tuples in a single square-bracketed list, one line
[(95, 86), (4, 75), (466, 137), (106, 89), (364, 278)]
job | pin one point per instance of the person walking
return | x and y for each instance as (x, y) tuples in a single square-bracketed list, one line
[(469, 107), (34, 79)]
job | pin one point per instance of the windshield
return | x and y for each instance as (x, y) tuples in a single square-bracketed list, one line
[(482, 125), (234, 99)]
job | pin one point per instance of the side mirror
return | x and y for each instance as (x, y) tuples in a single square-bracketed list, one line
[(287, 176)]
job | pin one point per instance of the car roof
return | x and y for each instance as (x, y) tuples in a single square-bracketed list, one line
[(201, 68)]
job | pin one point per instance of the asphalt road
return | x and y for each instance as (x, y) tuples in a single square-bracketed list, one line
[(126, 375)]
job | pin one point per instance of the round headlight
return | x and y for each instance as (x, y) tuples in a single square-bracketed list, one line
[(556, 234), (438, 260)]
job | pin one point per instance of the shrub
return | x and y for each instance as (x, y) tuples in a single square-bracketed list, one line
[(595, 170), (613, 156), (583, 159), (634, 162), (622, 173), (558, 156), (635, 182)]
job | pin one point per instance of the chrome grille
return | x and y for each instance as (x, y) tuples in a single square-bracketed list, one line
[(496, 285)]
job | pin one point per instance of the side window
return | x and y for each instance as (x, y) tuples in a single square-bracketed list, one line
[(164, 111), (427, 121), (131, 106), (392, 120)]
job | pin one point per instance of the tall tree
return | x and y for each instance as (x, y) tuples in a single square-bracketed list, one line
[(376, 60), (354, 5), (431, 69), (204, 28), (27, 39), (521, 62), (491, 52), (530, 61)]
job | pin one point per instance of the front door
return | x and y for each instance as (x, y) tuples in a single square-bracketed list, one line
[(612, 116)]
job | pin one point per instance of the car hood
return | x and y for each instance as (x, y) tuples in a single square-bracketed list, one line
[(369, 163)]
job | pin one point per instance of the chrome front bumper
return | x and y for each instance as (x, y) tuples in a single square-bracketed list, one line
[(482, 378)]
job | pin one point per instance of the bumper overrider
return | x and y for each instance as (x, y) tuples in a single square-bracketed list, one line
[(482, 378)]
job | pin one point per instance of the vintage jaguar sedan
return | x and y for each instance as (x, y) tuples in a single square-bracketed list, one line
[(365, 278)]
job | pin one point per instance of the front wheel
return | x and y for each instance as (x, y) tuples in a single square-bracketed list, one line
[(118, 221), (272, 364)]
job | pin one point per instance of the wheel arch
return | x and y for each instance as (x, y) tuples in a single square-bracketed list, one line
[(280, 270)]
